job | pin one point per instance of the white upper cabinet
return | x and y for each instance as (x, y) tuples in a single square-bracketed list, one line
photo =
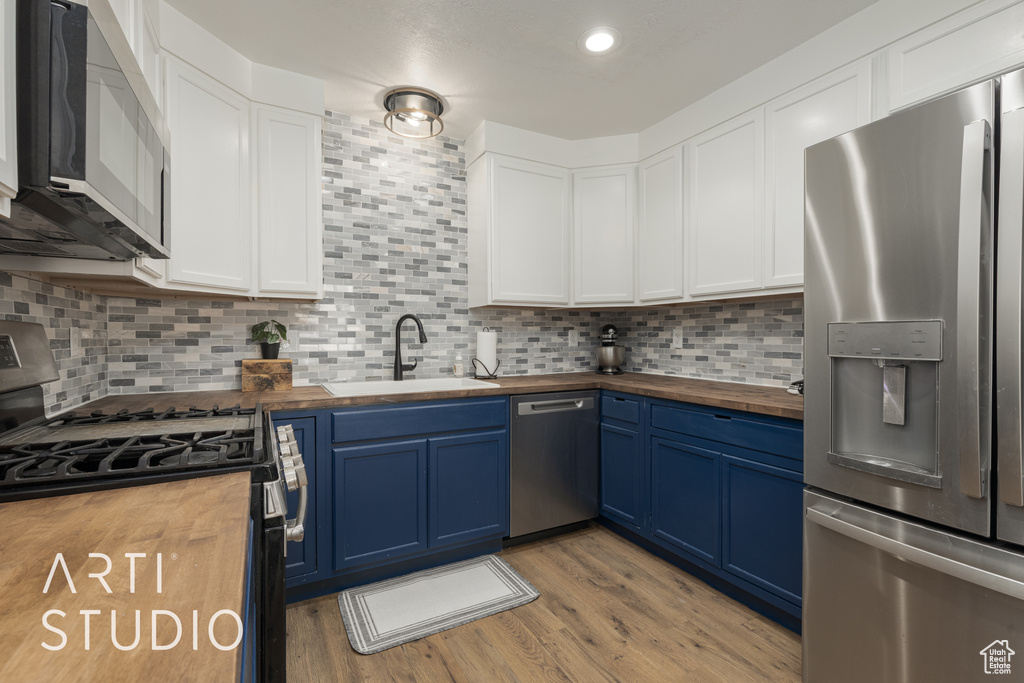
[(726, 179), (519, 232), (146, 46), (604, 202), (817, 112), (8, 133), (981, 41), (210, 219), (288, 195), (660, 234)]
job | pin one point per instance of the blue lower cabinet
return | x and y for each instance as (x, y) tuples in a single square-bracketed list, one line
[(622, 470), (468, 487), (685, 497), (762, 514), (380, 502), (301, 555)]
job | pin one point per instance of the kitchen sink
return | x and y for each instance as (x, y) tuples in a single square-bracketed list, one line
[(408, 386)]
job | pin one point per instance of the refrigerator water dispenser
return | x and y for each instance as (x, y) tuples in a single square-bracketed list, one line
[(885, 398)]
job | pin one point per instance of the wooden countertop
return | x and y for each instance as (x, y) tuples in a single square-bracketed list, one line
[(755, 399), (201, 529)]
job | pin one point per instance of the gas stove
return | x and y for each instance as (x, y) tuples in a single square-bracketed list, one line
[(73, 452), (98, 445)]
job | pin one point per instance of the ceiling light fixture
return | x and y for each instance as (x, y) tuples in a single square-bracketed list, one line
[(599, 41), (413, 112)]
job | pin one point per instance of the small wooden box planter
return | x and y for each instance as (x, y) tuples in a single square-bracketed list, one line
[(266, 375)]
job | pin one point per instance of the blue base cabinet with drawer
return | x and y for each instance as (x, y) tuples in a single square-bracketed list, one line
[(717, 492), (404, 487), (622, 460)]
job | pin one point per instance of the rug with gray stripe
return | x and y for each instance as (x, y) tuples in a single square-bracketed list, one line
[(399, 610)]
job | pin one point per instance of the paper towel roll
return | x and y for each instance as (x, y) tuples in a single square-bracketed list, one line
[(486, 360)]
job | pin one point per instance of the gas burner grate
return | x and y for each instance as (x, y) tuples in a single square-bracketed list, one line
[(131, 456), (147, 415)]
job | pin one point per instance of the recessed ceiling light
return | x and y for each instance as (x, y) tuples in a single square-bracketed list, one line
[(599, 41)]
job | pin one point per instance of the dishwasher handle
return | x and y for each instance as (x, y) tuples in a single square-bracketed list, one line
[(555, 406)]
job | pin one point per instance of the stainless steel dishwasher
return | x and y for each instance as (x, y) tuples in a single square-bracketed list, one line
[(554, 460)]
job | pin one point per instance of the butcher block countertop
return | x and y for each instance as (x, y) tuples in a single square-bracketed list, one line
[(751, 398), (200, 527)]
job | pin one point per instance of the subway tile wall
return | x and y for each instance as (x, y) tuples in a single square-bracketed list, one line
[(83, 376), (395, 242)]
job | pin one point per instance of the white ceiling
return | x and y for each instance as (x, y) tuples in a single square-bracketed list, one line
[(516, 61)]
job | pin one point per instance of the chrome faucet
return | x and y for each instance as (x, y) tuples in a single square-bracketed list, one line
[(399, 368)]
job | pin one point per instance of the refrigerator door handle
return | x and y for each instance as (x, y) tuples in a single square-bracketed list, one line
[(1008, 315), (968, 308), (911, 553)]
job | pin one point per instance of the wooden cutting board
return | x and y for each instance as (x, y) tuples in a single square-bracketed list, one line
[(199, 527), (266, 375)]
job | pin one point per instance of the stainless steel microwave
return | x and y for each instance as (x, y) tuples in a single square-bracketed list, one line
[(93, 167)]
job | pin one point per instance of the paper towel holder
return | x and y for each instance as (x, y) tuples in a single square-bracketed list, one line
[(489, 375)]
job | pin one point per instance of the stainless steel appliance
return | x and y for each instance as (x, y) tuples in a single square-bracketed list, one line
[(71, 453), (610, 355), (913, 565), (554, 460), (93, 167)]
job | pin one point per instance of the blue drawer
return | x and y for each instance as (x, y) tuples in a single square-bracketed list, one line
[(371, 423), (731, 427), (620, 408)]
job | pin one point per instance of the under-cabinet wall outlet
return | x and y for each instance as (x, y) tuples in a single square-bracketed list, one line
[(75, 345), (677, 338), (574, 338)]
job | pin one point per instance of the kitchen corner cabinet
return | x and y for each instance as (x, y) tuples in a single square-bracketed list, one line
[(718, 489), (604, 209), (210, 183), (726, 182), (519, 232), (8, 122), (660, 234), (290, 228), (411, 480), (828, 107)]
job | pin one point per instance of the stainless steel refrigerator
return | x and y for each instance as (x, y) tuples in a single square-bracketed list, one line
[(914, 525)]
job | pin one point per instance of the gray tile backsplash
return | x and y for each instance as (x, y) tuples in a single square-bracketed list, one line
[(83, 376), (394, 242)]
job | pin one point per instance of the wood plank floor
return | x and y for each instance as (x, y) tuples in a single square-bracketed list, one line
[(608, 611)]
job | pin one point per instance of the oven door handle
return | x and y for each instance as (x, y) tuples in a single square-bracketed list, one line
[(294, 529)]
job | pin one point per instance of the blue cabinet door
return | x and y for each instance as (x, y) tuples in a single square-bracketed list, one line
[(301, 557), (685, 500), (380, 502), (762, 514), (468, 482), (621, 475)]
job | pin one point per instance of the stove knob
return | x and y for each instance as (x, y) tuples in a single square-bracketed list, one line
[(294, 472)]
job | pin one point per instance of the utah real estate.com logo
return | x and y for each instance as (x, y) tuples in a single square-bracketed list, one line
[(997, 657)]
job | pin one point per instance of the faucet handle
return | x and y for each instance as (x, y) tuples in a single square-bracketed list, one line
[(409, 368)]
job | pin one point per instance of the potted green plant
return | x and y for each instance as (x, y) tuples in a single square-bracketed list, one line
[(269, 334)]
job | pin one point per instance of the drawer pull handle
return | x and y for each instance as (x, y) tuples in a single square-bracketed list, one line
[(723, 417)]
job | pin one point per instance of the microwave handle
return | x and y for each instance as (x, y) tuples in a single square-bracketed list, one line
[(969, 304)]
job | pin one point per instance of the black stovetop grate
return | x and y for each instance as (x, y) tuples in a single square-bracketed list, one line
[(177, 449)]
